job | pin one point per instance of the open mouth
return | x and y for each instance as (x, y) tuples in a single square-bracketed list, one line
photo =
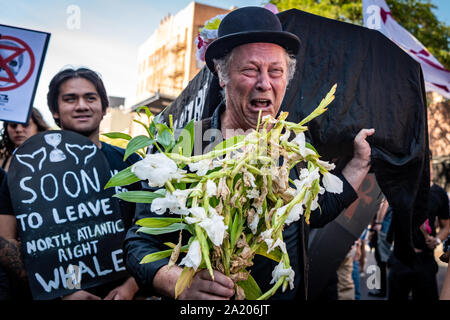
[(261, 103)]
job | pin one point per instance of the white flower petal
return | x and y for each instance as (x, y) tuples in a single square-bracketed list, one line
[(327, 165), (266, 234), (294, 214), (203, 166), (215, 229), (280, 271), (332, 183), (198, 212), (194, 256), (281, 211), (156, 168), (176, 202), (301, 142), (278, 243), (211, 188)]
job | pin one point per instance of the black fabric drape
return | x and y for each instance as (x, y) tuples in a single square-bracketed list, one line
[(379, 86)]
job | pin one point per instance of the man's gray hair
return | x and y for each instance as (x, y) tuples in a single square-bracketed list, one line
[(223, 67)]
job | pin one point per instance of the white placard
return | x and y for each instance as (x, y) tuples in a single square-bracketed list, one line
[(22, 53)]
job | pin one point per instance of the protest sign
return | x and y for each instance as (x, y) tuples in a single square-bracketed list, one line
[(70, 228), (22, 54)]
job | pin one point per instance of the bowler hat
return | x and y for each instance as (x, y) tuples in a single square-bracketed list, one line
[(249, 25)]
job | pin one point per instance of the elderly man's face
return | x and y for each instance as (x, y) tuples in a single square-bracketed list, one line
[(257, 81)]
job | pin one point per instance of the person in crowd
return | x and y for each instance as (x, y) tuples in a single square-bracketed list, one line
[(78, 101), (445, 257), (420, 277), (254, 59), (14, 134), (382, 248)]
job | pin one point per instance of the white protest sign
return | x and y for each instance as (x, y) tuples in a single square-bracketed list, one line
[(22, 54)]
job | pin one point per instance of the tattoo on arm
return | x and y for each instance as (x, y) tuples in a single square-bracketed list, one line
[(11, 260)]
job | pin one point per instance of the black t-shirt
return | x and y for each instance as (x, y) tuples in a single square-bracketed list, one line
[(114, 155), (438, 207), (5, 200)]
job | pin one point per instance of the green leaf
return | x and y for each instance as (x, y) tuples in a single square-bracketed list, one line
[(251, 288), (172, 245), (229, 142), (165, 136), (204, 248), (185, 280), (146, 109), (171, 228), (156, 256), (138, 196), (122, 178), (274, 254), (157, 222), (236, 230), (136, 144), (117, 135), (308, 145)]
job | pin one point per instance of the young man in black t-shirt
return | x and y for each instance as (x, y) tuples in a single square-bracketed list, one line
[(77, 100)]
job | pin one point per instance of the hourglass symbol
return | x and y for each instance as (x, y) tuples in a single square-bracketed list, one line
[(54, 139)]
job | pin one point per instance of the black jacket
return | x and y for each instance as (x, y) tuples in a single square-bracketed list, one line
[(137, 245)]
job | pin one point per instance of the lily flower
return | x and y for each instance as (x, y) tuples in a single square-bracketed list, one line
[(213, 225), (280, 271), (215, 228), (203, 166), (197, 214), (194, 256), (157, 169), (175, 202)]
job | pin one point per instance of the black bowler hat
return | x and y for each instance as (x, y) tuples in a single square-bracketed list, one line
[(249, 25)]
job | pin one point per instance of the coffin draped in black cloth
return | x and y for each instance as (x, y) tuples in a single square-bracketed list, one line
[(378, 86)]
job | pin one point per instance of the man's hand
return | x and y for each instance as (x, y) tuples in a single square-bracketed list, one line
[(124, 292), (81, 295), (204, 288), (362, 149), (201, 288), (356, 170)]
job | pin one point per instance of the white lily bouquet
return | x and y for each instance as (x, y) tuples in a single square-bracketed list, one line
[(234, 200)]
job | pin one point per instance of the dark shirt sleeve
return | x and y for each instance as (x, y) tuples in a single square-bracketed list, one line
[(332, 204), (137, 245), (5, 197)]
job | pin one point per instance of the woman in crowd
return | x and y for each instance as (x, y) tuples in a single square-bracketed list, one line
[(14, 134)]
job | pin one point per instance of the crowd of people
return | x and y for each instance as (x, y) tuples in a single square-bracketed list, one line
[(254, 60)]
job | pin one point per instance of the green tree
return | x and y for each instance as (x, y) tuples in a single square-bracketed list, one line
[(416, 16)]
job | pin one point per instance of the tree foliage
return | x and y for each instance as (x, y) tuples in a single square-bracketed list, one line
[(416, 16)]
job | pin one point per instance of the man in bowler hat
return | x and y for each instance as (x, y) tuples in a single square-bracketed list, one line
[(254, 59)]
